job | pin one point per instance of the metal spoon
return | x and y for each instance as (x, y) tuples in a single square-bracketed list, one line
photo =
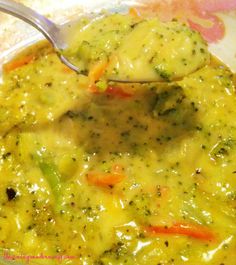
[(57, 35)]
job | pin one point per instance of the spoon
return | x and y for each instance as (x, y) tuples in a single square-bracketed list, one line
[(56, 35), (59, 37)]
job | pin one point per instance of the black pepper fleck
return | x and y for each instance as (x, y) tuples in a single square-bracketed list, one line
[(11, 194)]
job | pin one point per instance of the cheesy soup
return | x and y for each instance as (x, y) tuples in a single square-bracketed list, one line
[(94, 172)]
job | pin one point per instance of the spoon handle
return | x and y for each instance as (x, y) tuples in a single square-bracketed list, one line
[(49, 29)]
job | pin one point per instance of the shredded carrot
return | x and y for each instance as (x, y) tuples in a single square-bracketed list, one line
[(93, 88), (104, 179), (117, 92), (186, 229), (67, 70), (17, 63), (134, 12), (97, 71)]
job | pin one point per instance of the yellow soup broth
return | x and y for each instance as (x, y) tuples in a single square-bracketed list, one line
[(137, 174)]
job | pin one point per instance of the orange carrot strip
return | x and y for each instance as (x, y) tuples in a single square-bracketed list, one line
[(67, 70), (18, 63), (186, 229), (104, 179), (134, 12), (97, 71), (117, 92)]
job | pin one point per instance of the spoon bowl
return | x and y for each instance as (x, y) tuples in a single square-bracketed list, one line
[(143, 37), (57, 35)]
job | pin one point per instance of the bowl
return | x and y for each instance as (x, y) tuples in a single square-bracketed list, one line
[(15, 35)]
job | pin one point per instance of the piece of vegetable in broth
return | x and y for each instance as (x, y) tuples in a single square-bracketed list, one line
[(104, 179), (17, 63), (51, 173), (185, 229)]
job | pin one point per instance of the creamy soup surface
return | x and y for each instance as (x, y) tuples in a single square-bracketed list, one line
[(102, 173)]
